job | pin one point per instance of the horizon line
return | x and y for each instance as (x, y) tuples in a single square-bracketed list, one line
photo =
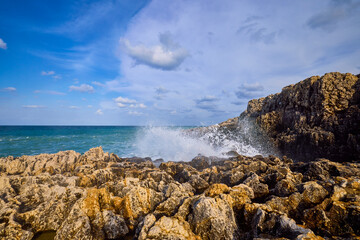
[(50, 125)]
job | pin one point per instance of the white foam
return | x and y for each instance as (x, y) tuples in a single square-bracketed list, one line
[(175, 144), (170, 144)]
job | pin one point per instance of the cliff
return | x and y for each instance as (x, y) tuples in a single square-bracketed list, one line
[(317, 117)]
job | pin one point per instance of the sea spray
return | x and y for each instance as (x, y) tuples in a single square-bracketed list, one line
[(177, 144), (171, 144)]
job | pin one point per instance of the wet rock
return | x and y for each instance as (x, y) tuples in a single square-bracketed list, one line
[(200, 163), (157, 162)]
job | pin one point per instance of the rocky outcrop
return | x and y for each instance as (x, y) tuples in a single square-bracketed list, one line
[(317, 117), (101, 196)]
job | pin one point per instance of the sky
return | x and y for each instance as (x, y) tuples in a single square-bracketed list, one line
[(179, 62)]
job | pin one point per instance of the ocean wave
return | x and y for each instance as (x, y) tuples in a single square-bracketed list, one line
[(175, 144)]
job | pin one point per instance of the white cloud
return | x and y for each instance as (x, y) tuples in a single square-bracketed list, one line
[(33, 106), (264, 53), (166, 56), (124, 100), (3, 44), (82, 88), (46, 73), (98, 84), (89, 106), (50, 92), (119, 104), (74, 107), (99, 112), (266, 50), (57, 77), (141, 105), (9, 89)]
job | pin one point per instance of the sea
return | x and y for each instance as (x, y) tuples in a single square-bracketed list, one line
[(168, 143)]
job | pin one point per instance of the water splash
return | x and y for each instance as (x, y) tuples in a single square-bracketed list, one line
[(171, 144), (176, 144)]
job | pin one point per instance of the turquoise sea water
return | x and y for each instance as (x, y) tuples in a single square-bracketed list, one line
[(169, 143), (31, 140)]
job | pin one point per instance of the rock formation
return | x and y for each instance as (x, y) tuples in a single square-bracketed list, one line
[(101, 196), (317, 117)]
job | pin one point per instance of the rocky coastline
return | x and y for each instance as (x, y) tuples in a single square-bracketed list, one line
[(311, 190), (318, 117), (98, 195)]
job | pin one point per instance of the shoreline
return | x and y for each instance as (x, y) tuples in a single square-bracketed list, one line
[(99, 195)]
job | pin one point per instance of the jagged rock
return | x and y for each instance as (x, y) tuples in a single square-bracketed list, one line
[(76, 225), (169, 228), (213, 218), (317, 117), (284, 188), (138, 202), (200, 163), (198, 183), (101, 196), (260, 189), (313, 193), (174, 194), (114, 225), (217, 189)]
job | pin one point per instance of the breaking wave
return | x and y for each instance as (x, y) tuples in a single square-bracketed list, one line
[(178, 144)]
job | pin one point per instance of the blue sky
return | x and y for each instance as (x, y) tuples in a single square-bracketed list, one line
[(163, 62)]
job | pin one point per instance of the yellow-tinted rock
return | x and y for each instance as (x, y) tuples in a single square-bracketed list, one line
[(216, 189)]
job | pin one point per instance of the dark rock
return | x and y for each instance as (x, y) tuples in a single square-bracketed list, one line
[(317, 117)]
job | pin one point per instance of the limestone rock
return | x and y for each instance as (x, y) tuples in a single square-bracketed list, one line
[(101, 196), (169, 228), (317, 117), (213, 219), (114, 225), (313, 193)]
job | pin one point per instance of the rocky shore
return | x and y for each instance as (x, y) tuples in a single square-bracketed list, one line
[(99, 195), (317, 117)]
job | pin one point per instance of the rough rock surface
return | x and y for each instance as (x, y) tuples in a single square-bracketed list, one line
[(317, 117), (101, 196)]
